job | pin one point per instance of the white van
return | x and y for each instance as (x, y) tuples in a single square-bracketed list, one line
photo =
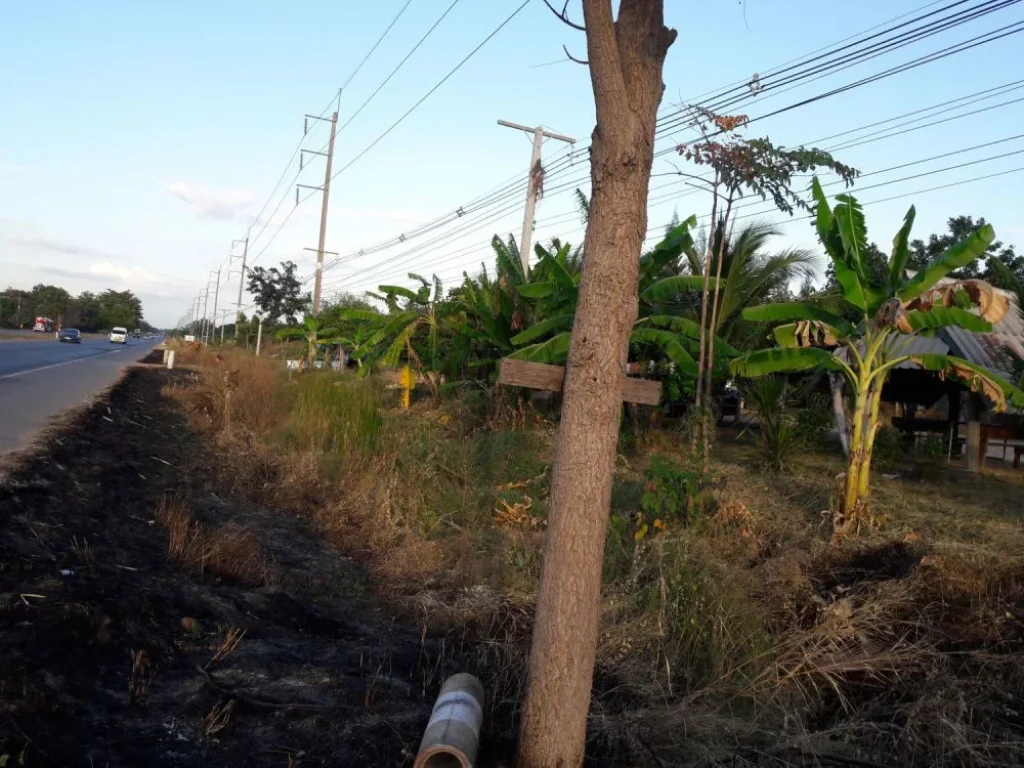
[(118, 335)]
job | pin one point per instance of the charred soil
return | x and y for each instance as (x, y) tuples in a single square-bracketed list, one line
[(147, 619)]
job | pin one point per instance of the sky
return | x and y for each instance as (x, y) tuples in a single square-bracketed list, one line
[(139, 140)]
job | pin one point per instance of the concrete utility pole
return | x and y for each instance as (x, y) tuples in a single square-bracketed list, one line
[(216, 295), (241, 282), (533, 184), (326, 189), (205, 324)]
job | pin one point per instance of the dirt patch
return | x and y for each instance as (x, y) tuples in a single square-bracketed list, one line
[(148, 619)]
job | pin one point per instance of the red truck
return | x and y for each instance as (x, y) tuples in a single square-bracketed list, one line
[(43, 325)]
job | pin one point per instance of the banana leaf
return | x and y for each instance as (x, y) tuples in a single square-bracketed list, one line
[(831, 238), (669, 344), (538, 290), (670, 287), (960, 255), (553, 351), (999, 391), (783, 360), (787, 311), (543, 328), (943, 317), (901, 249)]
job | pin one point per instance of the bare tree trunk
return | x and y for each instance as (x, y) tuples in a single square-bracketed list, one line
[(626, 59), (712, 333), (696, 424)]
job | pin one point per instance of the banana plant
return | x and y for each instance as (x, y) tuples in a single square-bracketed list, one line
[(659, 330), (395, 333), (313, 333), (889, 313)]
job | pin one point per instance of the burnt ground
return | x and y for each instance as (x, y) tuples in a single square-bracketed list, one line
[(109, 647)]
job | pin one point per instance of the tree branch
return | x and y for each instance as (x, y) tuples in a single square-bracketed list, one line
[(564, 17), (573, 58)]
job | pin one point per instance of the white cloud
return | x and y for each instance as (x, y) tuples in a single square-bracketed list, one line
[(42, 244), (126, 274), (209, 204)]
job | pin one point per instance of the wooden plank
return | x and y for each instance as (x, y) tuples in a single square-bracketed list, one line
[(520, 373)]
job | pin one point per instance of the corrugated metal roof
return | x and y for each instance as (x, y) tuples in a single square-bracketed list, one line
[(989, 349)]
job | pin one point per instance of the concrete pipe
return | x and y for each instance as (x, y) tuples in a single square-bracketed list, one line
[(166, 351), (170, 359), (452, 737)]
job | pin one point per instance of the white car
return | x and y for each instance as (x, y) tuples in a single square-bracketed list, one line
[(118, 335)]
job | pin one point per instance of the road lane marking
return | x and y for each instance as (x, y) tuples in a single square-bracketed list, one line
[(58, 365)]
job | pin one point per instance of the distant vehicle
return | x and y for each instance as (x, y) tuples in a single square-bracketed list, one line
[(118, 335), (71, 335), (43, 325), (136, 333)]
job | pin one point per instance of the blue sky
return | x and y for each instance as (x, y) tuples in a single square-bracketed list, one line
[(137, 140)]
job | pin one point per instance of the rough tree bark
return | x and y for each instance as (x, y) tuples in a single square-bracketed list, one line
[(626, 59)]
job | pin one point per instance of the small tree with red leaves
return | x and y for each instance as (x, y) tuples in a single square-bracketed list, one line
[(739, 166)]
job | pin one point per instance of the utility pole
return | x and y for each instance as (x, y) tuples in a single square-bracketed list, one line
[(216, 295), (241, 281), (326, 189), (206, 302), (534, 184)]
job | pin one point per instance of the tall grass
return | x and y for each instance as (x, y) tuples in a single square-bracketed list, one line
[(336, 414)]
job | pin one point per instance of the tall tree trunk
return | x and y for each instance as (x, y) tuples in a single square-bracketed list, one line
[(626, 59)]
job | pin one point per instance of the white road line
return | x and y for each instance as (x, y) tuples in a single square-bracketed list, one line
[(58, 365)]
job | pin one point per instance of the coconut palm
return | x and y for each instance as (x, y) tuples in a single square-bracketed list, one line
[(890, 311), (752, 273)]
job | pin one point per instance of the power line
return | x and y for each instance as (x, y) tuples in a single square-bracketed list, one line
[(656, 200), (405, 115), (376, 45), (431, 92), (877, 49), (895, 70), (374, 272), (988, 37), (387, 79)]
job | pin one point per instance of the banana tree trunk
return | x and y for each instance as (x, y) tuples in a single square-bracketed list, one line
[(851, 484), (864, 474)]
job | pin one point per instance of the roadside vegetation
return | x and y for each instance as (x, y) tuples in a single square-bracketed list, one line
[(731, 627), (741, 619)]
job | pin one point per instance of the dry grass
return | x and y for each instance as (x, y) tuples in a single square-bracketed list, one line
[(745, 639), (230, 552)]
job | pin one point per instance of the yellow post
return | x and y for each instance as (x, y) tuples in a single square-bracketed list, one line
[(408, 382)]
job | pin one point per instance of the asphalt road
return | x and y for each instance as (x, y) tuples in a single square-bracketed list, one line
[(41, 379)]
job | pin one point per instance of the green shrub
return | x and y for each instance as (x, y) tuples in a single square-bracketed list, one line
[(780, 438), (671, 493)]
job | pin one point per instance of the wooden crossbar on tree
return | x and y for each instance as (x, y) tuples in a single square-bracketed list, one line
[(520, 373)]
